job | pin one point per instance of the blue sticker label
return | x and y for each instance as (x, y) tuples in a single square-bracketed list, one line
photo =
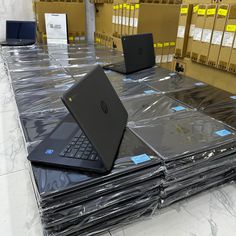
[(150, 91), (49, 152), (140, 159), (178, 108), (223, 132), (199, 84), (233, 97)]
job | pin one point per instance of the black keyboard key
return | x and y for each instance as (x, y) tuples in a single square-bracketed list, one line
[(79, 155), (63, 153), (92, 157)]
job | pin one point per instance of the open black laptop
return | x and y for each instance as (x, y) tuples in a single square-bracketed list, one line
[(89, 137), (138, 52), (20, 33)]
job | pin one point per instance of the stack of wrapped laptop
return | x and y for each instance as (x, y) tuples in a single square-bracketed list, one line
[(180, 139)]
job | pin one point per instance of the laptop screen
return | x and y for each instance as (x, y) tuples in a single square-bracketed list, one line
[(20, 30)]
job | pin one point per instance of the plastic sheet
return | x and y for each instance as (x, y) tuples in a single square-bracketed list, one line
[(202, 96), (149, 108), (52, 181), (193, 151), (199, 187), (101, 204), (184, 134), (37, 126), (39, 103), (174, 82)]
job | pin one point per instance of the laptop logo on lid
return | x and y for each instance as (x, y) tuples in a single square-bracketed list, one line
[(104, 107)]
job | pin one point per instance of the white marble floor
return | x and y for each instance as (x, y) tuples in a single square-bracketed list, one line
[(210, 213)]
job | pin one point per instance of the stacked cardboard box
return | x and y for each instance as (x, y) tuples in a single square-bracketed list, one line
[(158, 19), (75, 12), (207, 33)]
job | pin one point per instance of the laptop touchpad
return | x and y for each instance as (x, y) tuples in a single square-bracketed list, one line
[(64, 131)]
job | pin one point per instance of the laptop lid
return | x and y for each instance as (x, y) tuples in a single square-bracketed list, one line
[(138, 52), (99, 112), (25, 30)]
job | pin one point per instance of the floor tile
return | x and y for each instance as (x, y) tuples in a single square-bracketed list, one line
[(12, 149), (19, 213), (210, 213)]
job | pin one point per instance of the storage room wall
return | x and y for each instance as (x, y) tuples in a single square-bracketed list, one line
[(14, 10)]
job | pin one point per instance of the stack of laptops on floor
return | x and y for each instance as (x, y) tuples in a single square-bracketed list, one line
[(175, 144)]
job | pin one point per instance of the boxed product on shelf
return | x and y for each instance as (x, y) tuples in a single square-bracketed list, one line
[(191, 30), (183, 29), (232, 61), (197, 35), (207, 33), (217, 36), (104, 18), (75, 12), (228, 39)]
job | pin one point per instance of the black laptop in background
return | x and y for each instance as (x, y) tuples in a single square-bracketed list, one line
[(89, 137), (20, 33), (138, 53)]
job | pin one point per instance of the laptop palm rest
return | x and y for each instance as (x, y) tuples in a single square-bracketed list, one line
[(64, 131)]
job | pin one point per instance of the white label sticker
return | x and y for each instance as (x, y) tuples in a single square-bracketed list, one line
[(191, 30), (197, 34), (164, 58), (158, 59), (170, 57), (228, 39), (131, 21), (117, 19), (127, 21), (181, 31), (206, 35), (135, 22), (120, 20), (217, 37), (123, 20), (113, 19)]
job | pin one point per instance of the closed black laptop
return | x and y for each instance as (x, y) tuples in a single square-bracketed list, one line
[(20, 33), (89, 137), (138, 52)]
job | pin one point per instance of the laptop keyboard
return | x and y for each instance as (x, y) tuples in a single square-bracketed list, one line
[(80, 148)]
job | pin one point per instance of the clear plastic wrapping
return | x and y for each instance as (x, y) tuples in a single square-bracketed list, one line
[(174, 82), (191, 151), (201, 97), (149, 108), (183, 134)]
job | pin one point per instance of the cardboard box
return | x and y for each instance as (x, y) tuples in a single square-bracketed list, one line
[(104, 18), (75, 12), (171, 52), (183, 29), (232, 61), (127, 16), (165, 53), (120, 19), (220, 22), (197, 35), (123, 22), (136, 18), (228, 39), (191, 30), (156, 19), (207, 33), (114, 19), (131, 19), (159, 49)]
